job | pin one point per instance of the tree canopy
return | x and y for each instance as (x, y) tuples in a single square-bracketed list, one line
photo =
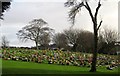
[(35, 31)]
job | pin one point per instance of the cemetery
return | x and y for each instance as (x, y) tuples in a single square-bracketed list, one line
[(77, 60)]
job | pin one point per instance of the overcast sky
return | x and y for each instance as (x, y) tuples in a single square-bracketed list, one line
[(53, 12)]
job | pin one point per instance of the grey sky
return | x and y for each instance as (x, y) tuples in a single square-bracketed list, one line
[(53, 12)]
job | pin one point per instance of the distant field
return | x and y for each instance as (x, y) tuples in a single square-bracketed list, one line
[(18, 67)]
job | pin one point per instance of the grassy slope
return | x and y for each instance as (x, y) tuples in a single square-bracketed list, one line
[(17, 67)]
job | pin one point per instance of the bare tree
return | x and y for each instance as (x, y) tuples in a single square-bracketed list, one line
[(34, 31), (85, 41), (110, 35), (80, 40), (107, 39), (5, 42), (72, 36), (44, 40), (60, 40), (76, 7)]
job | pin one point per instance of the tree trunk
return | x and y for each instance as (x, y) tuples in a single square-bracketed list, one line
[(94, 59), (36, 45)]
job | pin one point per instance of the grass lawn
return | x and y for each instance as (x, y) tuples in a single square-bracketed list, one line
[(19, 67)]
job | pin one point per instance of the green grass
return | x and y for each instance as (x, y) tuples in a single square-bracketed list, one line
[(19, 67)]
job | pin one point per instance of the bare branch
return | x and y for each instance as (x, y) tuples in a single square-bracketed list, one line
[(99, 25), (90, 12), (98, 7), (74, 11), (70, 3)]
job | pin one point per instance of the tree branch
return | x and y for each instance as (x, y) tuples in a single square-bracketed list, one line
[(90, 12), (99, 25), (97, 10)]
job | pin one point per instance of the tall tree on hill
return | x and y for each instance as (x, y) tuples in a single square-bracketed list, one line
[(85, 41), (5, 42), (76, 7), (35, 31), (72, 37), (60, 40), (80, 40), (107, 39)]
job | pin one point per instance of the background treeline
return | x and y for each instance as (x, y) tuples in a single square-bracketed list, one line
[(78, 41), (82, 40)]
